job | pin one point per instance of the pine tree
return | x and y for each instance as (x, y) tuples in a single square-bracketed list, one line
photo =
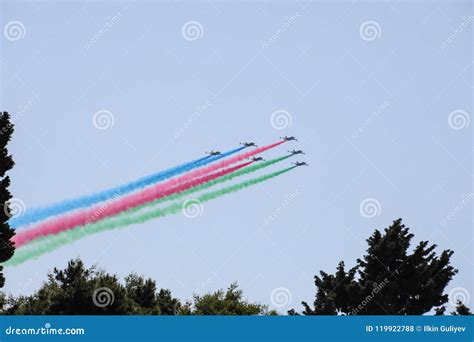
[(78, 290), (167, 304), (461, 310), (7, 247), (229, 302), (387, 280)]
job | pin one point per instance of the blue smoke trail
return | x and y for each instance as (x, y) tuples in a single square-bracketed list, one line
[(38, 214)]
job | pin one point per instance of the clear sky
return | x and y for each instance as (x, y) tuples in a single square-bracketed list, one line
[(379, 96)]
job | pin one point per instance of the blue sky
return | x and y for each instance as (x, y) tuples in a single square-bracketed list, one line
[(379, 95)]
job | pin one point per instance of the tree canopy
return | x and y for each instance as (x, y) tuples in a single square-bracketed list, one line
[(78, 290), (388, 280), (461, 310), (229, 302)]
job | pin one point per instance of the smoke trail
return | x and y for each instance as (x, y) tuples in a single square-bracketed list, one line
[(38, 214), (95, 214), (193, 186), (236, 159), (210, 184), (114, 207), (48, 244)]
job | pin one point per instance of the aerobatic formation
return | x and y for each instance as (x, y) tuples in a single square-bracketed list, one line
[(42, 230)]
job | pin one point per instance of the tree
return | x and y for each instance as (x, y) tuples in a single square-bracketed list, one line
[(461, 309), (146, 300), (167, 304), (440, 311), (7, 247), (142, 293), (78, 290), (387, 280), (229, 302)]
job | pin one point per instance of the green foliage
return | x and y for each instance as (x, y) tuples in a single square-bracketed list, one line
[(461, 310), (6, 163), (440, 311), (77, 290), (388, 280), (229, 302), (146, 300), (167, 304)]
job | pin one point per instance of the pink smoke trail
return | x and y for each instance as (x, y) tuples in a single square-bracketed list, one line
[(111, 208)]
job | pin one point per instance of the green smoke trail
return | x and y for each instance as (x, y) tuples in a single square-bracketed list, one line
[(180, 195), (48, 244)]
